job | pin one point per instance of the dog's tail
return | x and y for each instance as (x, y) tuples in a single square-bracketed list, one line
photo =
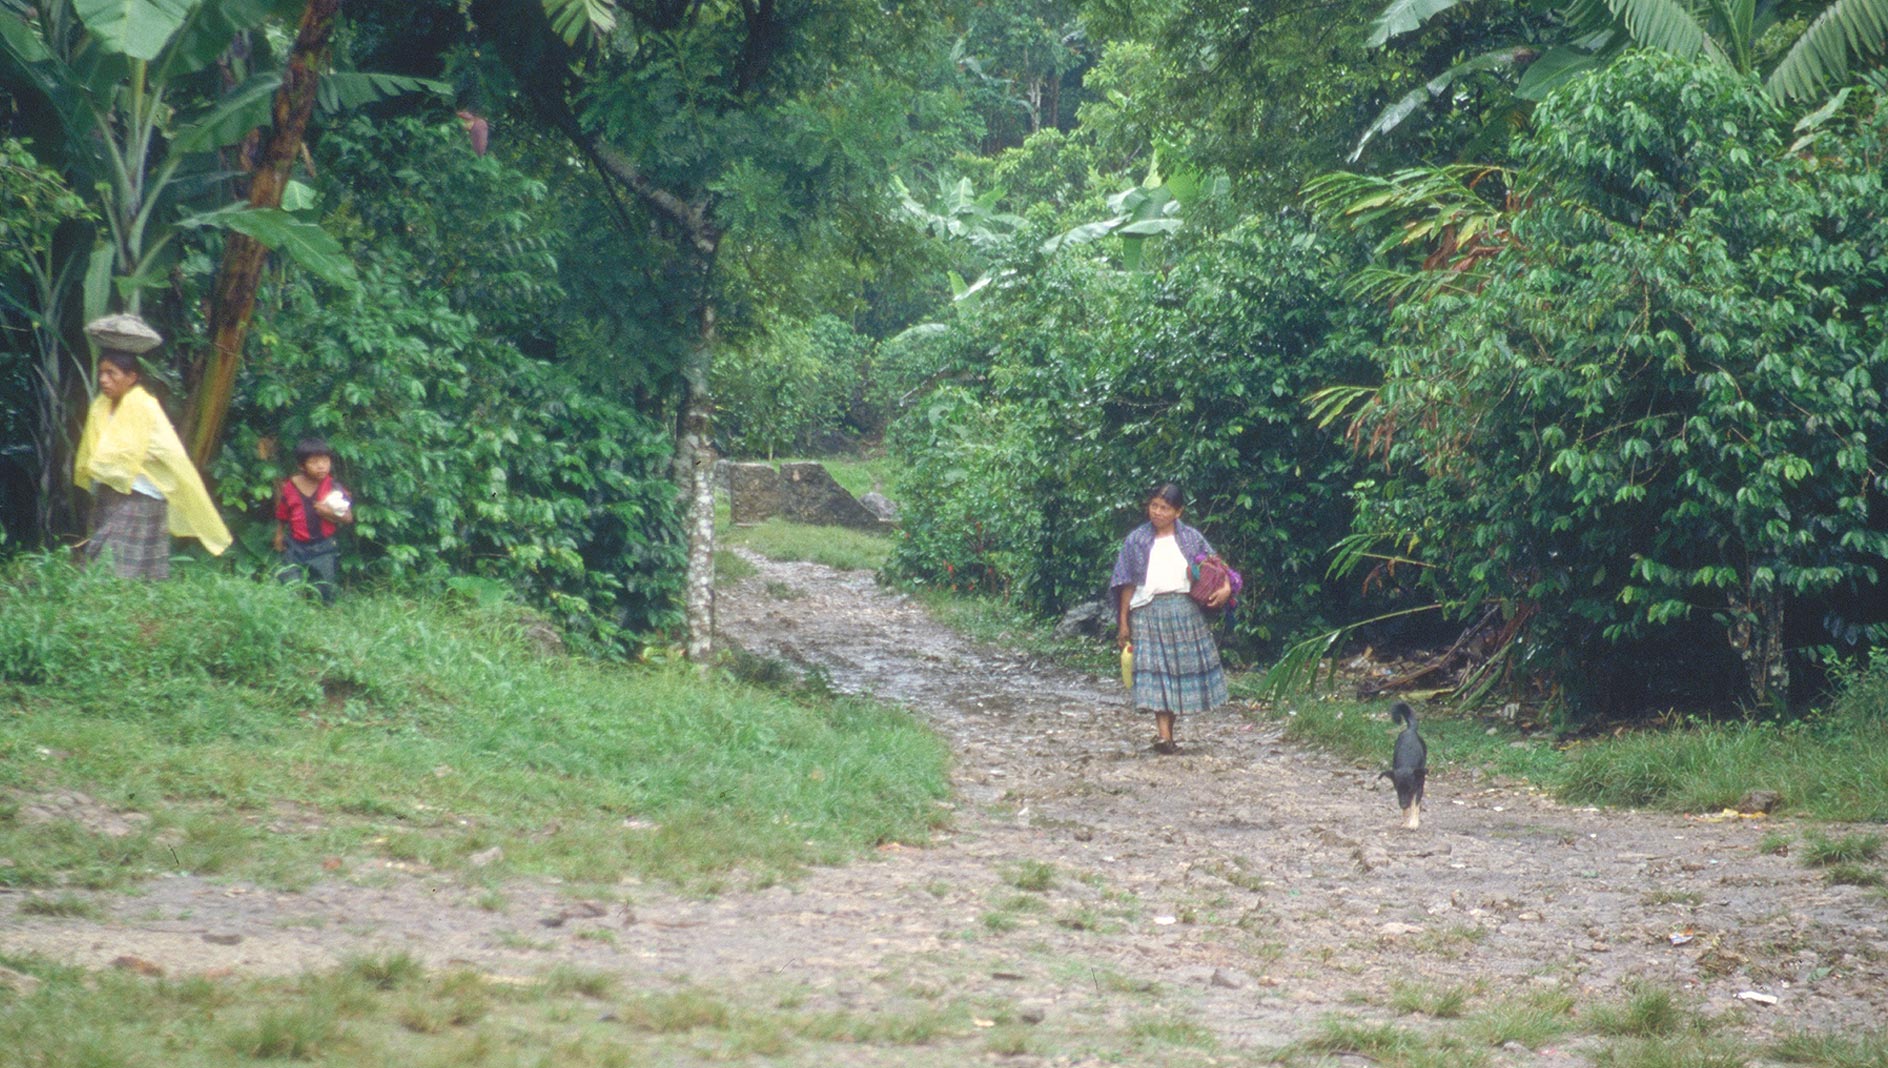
[(1400, 712)]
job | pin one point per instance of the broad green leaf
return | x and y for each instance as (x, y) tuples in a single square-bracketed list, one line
[(304, 242), (570, 18), (242, 110), (1555, 68), (19, 39), (1392, 117), (1402, 16), (95, 291), (212, 25), (136, 28), (343, 90), (298, 196), (1144, 227), (1083, 234)]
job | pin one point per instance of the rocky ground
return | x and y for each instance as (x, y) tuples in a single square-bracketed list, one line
[(1230, 898)]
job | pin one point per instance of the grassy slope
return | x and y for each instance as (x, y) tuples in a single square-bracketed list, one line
[(423, 730)]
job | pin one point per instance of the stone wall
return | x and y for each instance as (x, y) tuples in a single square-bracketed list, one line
[(801, 492)]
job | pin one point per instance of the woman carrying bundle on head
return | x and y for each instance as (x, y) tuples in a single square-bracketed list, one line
[(1176, 666), (144, 487)]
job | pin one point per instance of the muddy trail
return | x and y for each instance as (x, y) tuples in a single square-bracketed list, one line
[(1093, 893)]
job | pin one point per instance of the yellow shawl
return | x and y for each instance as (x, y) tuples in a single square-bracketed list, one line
[(138, 439)]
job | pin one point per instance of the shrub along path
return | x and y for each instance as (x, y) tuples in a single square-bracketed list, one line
[(1093, 901)]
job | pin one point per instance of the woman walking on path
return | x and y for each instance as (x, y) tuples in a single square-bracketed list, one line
[(1176, 664), (144, 487)]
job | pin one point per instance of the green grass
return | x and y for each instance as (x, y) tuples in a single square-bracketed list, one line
[(732, 568), (837, 547), (1833, 766), (414, 729), (1821, 851), (1032, 875), (1645, 1012), (1868, 1049), (1533, 1020)]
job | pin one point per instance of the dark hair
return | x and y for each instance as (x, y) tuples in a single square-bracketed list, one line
[(124, 361), (308, 448), (1169, 492)]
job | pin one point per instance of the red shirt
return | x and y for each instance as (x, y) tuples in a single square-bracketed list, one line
[(292, 508)]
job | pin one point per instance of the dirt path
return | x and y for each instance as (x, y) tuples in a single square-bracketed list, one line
[(1244, 888)]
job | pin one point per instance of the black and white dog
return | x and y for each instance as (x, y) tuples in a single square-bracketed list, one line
[(1409, 767)]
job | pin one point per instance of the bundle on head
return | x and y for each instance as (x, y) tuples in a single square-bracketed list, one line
[(1409, 766)]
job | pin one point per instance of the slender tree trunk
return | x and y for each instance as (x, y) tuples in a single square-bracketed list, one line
[(1757, 635), (234, 301), (695, 476)]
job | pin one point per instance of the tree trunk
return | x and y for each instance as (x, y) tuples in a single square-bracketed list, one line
[(234, 300), (695, 476), (1757, 636)]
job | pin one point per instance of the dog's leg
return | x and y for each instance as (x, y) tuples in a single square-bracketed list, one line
[(1413, 815)]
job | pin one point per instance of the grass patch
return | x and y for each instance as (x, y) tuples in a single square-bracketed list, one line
[(1035, 876), (424, 730), (1166, 1031), (732, 567), (1427, 999), (1851, 875), (1831, 766), (1834, 767), (837, 547), (1533, 1020), (1645, 1012), (65, 905), (1362, 731), (1868, 1049), (1687, 1052), (1821, 851)]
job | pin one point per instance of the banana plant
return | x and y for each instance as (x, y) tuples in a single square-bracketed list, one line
[(1148, 210), (125, 82)]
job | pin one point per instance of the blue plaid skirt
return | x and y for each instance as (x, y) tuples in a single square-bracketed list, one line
[(133, 531), (1176, 664)]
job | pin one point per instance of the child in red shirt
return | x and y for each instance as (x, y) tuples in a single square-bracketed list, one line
[(310, 506)]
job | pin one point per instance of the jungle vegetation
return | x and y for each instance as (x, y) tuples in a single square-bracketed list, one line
[(1552, 334)]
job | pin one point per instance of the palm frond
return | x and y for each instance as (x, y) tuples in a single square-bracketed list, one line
[(1298, 670), (1391, 117), (1846, 31), (1667, 25)]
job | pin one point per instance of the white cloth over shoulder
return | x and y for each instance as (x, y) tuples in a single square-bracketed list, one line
[(1166, 572)]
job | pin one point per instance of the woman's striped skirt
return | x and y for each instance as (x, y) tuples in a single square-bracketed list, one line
[(134, 529), (1176, 664)]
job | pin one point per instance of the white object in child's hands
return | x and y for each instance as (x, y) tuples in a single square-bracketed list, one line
[(337, 501)]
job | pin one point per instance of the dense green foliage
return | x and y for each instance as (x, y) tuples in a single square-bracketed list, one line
[(467, 454), (418, 730), (1614, 387), (1655, 421), (803, 387), (1629, 400), (1091, 384)]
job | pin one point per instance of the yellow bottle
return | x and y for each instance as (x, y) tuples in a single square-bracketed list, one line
[(1127, 666)]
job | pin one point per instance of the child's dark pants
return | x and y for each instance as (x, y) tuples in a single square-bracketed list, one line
[(312, 561)]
